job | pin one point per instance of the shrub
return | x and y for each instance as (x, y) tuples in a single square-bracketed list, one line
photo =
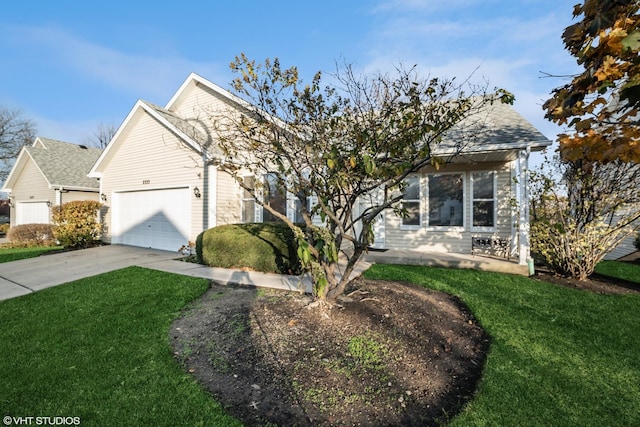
[(76, 223), (4, 228), (637, 241), (31, 235), (266, 247)]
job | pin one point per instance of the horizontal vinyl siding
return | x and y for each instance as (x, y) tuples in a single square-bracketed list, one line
[(199, 102), (229, 201), (150, 157), (626, 247), (31, 186), (452, 240), (73, 196)]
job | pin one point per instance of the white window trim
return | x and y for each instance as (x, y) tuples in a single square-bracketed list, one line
[(464, 203), (495, 203), (420, 200)]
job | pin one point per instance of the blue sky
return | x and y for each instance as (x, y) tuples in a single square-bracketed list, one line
[(70, 65)]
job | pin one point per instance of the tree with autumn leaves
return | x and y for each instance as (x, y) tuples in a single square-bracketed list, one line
[(601, 105), (586, 201)]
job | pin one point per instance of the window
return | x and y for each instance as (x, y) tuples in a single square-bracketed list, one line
[(248, 202), (446, 200), (411, 201), (275, 197), (484, 203)]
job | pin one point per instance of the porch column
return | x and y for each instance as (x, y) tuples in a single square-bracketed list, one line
[(58, 200), (523, 181)]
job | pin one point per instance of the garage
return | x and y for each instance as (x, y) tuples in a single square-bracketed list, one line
[(159, 219), (32, 213)]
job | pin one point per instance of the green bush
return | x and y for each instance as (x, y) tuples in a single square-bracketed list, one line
[(637, 242), (265, 247), (76, 223), (26, 235)]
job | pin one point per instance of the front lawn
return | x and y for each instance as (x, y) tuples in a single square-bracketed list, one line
[(98, 349), (14, 254), (558, 356), (619, 270)]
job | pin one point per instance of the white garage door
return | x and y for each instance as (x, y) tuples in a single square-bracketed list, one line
[(159, 219), (32, 213)]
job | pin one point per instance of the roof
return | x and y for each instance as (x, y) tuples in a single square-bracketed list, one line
[(502, 128), (490, 128), (62, 164)]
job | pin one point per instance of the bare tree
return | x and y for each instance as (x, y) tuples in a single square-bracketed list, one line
[(101, 136), (581, 210), (16, 131)]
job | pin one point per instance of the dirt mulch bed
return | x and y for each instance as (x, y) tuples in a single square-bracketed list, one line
[(595, 283), (394, 354)]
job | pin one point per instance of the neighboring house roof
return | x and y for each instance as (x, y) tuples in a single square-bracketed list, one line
[(63, 164)]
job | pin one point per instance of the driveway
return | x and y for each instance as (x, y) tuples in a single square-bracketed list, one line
[(33, 274)]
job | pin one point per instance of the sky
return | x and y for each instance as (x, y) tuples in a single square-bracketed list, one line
[(72, 65)]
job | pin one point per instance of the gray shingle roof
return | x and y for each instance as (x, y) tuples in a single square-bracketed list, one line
[(491, 127), (181, 124), (65, 164)]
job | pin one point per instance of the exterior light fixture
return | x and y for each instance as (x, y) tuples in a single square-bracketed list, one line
[(196, 192), (103, 197)]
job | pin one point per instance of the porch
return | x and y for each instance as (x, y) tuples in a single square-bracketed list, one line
[(447, 260)]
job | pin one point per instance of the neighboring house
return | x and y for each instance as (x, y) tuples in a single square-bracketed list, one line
[(627, 246), (49, 173), (158, 193)]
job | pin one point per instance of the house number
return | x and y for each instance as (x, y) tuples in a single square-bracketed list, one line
[(146, 181)]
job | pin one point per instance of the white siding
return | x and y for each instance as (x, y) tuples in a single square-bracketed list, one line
[(30, 186), (198, 102), (229, 200), (73, 196), (150, 157)]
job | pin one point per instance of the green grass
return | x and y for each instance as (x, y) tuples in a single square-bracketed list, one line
[(14, 254), (99, 349), (620, 270), (558, 356)]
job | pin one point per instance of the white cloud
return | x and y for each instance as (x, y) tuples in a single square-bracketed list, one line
[(145, 76)]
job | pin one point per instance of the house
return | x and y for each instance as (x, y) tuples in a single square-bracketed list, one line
[(160, 191), (49, 173)]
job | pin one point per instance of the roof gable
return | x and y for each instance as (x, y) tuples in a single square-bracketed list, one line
[(62, 164), (194, 81), (182, 128)]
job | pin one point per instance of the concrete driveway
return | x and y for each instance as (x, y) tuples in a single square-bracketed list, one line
[(29, 275)]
